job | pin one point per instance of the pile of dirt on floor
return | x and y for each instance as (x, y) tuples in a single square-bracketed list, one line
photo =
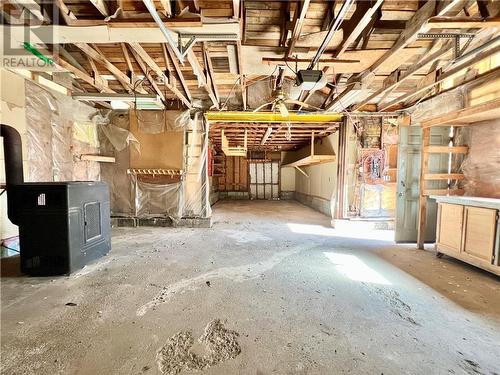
[(176, 355)]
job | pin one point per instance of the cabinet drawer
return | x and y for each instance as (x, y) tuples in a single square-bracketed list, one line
[(479, 232), (450, 226)]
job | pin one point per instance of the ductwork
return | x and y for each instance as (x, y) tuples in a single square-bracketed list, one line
[(13, 151)]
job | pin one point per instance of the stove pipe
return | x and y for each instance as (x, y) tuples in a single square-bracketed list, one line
[(13, 151)]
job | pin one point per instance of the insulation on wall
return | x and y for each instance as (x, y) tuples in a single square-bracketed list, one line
[(137, 143), (59, 130), (482, 165)]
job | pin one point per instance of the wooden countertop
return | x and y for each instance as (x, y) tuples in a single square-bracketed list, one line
[(468, 201)]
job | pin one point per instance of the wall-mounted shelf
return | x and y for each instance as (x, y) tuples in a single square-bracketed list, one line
[(98, 158), (311, 160), (156, 172)]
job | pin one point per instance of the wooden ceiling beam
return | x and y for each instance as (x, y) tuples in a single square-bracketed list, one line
[(67, 14), (167, 7), (127, 59), (147, 73), (408, 74), (462, 22), (178, 70), (442, 76), (199, 72), (353, 28), (236, 8), (100, 58), (101, 6), (325, 61), (80, 74), (138, 50), (209, 70), (409, 35), (298, 22), (242, 76)]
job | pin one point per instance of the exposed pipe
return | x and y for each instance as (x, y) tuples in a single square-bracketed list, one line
[(154, 13), (13, 151), (334, 26)]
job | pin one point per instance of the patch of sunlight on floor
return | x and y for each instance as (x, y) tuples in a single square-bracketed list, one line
[(361, 233), (355, 269)]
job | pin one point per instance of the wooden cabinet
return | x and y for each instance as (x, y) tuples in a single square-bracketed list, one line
[(479, 232), (469, 231), (450, 226)]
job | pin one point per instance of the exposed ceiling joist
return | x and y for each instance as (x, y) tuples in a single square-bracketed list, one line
[(462, 22), (178, 70), (441, 77), (99, 57), (357, 23), (147, 73), (266, 136), (139, 50), (31, 6), (298, 22), (198, 71), (167, 7), (81, 74), (325, 61), (242, 76), (101, 6), (210, 70), (414, 26), (427, 59)]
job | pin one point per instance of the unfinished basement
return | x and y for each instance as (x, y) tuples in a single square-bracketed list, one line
[(250, 187)]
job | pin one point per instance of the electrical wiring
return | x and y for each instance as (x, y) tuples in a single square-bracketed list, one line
[(229, 95), (251, 84), (289, 67), (134, 90)]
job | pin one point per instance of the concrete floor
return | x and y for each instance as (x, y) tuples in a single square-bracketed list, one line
[(293, 296)]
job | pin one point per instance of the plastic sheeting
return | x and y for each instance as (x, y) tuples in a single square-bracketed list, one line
[(195, 180), (146, 196), (482, 165), (59, 131), (444, 103), (158, 199), (115, 174), (152, 122)]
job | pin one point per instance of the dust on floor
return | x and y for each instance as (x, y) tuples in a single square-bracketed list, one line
[(270, 289)]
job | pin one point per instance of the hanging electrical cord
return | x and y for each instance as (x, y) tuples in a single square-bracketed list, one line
[(251, 84)]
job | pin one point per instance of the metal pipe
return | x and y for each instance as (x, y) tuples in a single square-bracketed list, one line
[(271, 117), (13, 151), (152, 9), (334, 26)]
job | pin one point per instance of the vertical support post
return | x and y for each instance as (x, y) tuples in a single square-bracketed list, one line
[(341, 170), (312, 145), (205, 195), (422, 204)]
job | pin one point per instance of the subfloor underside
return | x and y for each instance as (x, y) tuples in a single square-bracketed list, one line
[(270, 289)]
